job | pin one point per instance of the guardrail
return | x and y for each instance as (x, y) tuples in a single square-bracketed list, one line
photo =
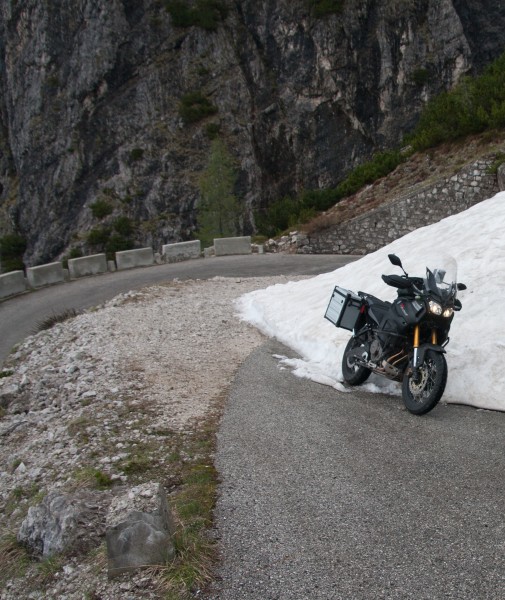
[(16, 282)]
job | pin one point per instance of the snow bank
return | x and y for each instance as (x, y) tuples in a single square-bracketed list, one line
[(294, 312)]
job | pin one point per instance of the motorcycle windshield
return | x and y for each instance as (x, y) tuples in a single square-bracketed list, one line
[(441, 279)]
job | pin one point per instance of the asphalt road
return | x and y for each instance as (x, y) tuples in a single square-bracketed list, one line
[(329, 495), (20, 315)]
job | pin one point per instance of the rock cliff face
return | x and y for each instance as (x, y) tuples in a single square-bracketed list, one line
[(90, 95)]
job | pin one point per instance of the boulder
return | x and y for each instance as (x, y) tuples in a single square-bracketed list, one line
[(142, 539), (62, 523)]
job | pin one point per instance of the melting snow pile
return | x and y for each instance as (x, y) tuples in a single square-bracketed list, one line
[(293, 313)]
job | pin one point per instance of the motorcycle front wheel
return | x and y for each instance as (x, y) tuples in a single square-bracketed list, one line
[(422, 393), (353, 373)]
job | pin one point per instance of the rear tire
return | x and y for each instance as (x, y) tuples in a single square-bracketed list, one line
[(423, 395), (353, 373)]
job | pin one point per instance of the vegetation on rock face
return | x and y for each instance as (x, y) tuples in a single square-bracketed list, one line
[(473, 106), (101, 208), (322, 8), (219, 211), (289, 212), (12, 248), (112, 239), (194, 107), (206, 13)]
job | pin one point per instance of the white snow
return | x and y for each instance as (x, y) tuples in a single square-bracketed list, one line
[(293, 312)]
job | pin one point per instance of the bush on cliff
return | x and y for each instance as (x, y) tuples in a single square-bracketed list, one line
[(12, 248), (475, 105)]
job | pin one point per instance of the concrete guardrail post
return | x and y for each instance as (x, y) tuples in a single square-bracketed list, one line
[(181, 251), (87, 265), (127, 259), (45, 274), (233, 245), (12, 283)]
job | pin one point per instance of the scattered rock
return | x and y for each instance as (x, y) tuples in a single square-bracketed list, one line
[(139, 541), (154, 361), (62, 523)]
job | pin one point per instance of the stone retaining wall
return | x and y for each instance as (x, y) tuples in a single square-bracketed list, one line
[(423, 206)]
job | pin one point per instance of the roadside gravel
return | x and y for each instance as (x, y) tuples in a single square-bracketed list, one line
[(93, 392)]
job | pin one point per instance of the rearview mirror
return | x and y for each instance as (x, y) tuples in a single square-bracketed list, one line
[(461, 287), (395, 260)]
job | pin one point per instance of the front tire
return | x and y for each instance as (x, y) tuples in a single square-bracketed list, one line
[(422, 394), (353, 373)]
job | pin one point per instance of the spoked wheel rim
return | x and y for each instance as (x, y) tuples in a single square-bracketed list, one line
[(352, 371), (422, 392), (423, 387)]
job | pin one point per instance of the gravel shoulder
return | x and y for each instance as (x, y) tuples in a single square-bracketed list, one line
[(93, 392)]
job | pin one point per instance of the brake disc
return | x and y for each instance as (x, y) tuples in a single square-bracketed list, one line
[(417, 387)]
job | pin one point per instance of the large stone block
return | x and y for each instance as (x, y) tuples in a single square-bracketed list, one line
[(45, 274), (141, 539), (128, 259), (233, 245), (181, 251), (12, 283), (87, 265)]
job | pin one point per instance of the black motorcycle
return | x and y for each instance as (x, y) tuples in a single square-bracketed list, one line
[(403, 340)]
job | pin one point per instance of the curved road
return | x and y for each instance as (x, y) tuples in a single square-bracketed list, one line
[(328, 495), (20, 315)]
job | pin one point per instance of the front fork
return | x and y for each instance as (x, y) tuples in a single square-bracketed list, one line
[(434, 339)]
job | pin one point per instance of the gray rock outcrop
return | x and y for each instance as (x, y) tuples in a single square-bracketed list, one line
[(62, 523), (91, 96)]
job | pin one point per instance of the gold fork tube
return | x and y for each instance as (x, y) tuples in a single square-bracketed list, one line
[(416, 346), (416, 336), (434, 337)]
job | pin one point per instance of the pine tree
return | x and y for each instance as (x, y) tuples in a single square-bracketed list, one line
[(219, 212)]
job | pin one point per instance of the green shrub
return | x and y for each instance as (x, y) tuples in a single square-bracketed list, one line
[(473, 106), (136, 154), (98, 236), (12, 248), (100, 209), (194, 106), (289, 212), (420, 77), (212, 130), (117, 243), (498, 161), (323, 8), (124, 226), (206, 13)]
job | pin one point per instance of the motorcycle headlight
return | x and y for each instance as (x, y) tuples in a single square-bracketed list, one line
[(435, 307), (448, 312)]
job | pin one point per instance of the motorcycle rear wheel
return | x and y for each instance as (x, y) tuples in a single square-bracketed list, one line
[(353, 373), (422, 395)]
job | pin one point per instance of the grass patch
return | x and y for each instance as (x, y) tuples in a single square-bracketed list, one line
[(93, 478), (56, 318), (48, 568), (6, 373), (13, 558), (499, 160), (193, 504)]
